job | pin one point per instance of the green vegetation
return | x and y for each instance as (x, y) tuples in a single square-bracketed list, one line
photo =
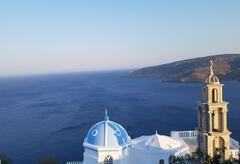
[(48, 160), (199, 157), (5, 160)]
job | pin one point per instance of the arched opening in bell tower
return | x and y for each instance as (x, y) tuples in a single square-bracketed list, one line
[(214, 95), (222, 147), (213, 119)]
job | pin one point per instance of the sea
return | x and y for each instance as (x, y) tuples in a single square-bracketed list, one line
[(48, 116)]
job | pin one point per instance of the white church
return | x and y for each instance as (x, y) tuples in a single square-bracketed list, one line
[(107, 142)]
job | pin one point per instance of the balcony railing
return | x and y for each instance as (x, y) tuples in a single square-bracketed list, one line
[(74, 162), (184, 134)]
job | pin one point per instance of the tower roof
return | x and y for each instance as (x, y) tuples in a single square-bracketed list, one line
[(107, 134), (157, 143), (162, 142), (211, 79)]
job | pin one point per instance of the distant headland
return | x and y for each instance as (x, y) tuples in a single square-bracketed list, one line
[(194, 70)]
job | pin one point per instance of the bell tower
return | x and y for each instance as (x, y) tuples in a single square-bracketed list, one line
[(213, 134)]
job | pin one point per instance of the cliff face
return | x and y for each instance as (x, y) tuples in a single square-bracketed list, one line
[(226, 67)]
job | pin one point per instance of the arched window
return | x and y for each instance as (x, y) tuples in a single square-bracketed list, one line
[(222, 147), (108, 160), (214, 147), (214, 95), (220, 119), (213, 125), (161, 161)]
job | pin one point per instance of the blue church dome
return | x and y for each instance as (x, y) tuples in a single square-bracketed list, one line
[(108, 134)]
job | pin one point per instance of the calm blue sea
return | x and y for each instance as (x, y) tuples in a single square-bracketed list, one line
[(43, 116)]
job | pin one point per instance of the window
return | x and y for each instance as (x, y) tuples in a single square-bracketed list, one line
[(161, 161), (214, 95), (108, 160), (222, 147), (213, 125)]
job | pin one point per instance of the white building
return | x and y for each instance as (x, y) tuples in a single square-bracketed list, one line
[(157, 149), (108, 142)]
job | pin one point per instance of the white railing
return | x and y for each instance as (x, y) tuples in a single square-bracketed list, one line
[(234, 143), (193, 135), (74, 162), (184, 134)]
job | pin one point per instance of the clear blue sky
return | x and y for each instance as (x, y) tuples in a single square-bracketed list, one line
[(46, 36)]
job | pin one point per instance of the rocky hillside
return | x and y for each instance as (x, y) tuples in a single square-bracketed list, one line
[(226, 67)]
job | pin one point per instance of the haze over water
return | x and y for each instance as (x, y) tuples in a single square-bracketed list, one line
[(50, 115)]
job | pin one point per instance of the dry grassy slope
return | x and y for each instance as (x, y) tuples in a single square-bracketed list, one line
[(226, 67)]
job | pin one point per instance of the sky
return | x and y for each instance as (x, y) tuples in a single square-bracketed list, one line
[(53, 36)]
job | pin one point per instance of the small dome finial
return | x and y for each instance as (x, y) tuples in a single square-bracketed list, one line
[(106, 118), (211, 68), (156, 132), (211, 78)]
